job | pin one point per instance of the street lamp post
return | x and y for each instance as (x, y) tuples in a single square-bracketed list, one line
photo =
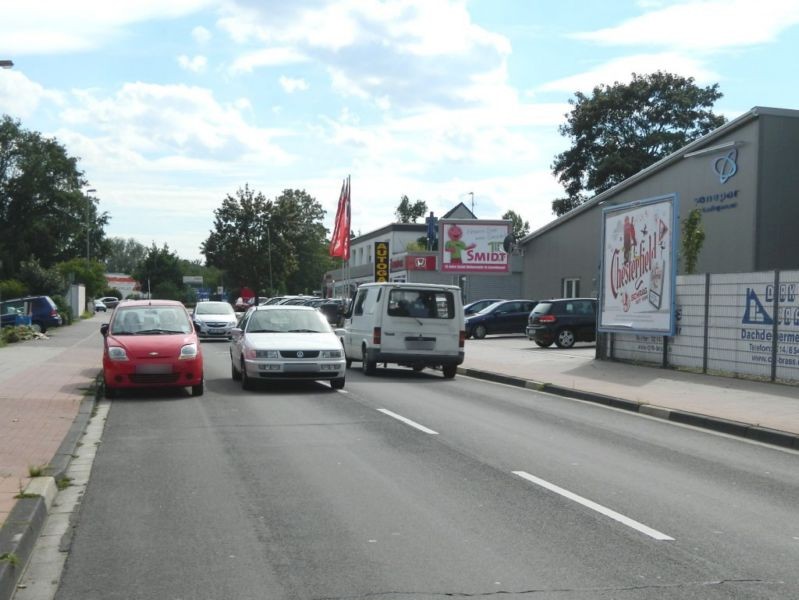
[(89, 200)]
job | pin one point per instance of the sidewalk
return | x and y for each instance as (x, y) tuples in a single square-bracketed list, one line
[(42, 386)]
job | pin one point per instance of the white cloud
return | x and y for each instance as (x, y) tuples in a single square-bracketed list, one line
[(171, 127), (392, 54), (21, 97), (704, 25), (57, 26), (201, 35), (621, 70), (196, 64), (290, 85), (269, 57)]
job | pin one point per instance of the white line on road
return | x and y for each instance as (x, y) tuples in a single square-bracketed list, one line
[(407, 421), (653, 533)]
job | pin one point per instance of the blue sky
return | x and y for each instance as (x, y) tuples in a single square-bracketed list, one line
[(173, 105)]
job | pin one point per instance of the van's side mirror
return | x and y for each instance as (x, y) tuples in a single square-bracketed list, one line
[(104, 329)]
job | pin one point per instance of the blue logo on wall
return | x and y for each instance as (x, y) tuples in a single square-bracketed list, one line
[(756, 313), (726, 166)]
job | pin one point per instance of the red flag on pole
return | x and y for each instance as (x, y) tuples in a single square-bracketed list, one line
[(340, 241)]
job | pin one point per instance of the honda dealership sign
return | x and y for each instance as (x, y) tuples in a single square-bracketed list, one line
[(471, 246), (639, 267)]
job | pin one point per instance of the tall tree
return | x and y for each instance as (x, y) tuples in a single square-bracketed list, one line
[(243, 242), (43, 211), (124, 255), (519, 227), (160, 271), (625, 127), (269, 246), (301, 216), (409, 213)]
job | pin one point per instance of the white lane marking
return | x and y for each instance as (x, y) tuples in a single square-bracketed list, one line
[(653, 533), (407, 421)]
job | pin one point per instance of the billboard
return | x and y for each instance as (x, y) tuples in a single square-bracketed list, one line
[(639, 267), (472, 246)]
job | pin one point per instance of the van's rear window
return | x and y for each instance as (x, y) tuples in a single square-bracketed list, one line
[(421, 304)]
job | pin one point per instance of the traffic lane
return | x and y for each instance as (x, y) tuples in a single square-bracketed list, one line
[(438, 510), (733, 499), (302, 492), (422, 398)]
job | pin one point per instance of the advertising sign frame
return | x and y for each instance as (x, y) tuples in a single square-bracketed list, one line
[(639, 267), (480, 240)]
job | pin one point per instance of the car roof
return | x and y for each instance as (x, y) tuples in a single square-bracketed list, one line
[(282, 307), (152, 302)]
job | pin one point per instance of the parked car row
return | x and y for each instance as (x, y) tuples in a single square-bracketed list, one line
[(562, 321)]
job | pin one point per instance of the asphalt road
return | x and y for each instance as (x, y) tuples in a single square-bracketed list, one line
[(408, 485)]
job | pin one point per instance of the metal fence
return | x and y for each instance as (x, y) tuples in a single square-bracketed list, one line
[(738, 324)]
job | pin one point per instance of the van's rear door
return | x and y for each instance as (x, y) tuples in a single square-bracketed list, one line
[(422, 320)]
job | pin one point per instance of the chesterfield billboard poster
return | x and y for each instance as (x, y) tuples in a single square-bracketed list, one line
[(471, 246), (639, 267)]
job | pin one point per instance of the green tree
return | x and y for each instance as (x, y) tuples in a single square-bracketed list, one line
[(301, 217), (623, 128), (693, 238), (269, 246), (160, 271), (124, 255), (43, 211), (90, 273), (409, 213), (519, 227)]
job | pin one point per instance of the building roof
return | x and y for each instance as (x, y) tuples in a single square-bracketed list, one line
[(694, 146), (459, 211)]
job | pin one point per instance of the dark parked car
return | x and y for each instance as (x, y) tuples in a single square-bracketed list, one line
[(478, 305), (505, 316), (41, 309), (563, 321)]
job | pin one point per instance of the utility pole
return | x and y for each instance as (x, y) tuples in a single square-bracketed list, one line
[(89, 201)]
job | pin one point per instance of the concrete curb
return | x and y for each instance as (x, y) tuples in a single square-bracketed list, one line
[(745, 430), (25, 521)]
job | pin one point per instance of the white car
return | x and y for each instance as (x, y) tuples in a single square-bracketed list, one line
[(214, 319), (99, 306), (286, 343)]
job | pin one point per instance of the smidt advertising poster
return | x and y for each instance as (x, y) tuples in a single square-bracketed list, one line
[(470, 246), (639, 267)]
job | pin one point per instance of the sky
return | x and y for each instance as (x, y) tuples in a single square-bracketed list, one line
[(173, 105)]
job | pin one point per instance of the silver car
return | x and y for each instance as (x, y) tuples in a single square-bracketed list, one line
[(286, 343), (214, 319)]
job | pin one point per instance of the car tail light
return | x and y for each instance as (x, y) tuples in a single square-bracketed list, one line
[(461, 339), (376, 334), (54, 312), (547, 319)]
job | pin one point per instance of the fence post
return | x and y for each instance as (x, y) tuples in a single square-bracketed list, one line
[(775, 326), (707, 323)]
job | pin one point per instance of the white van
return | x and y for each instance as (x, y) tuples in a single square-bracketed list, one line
[(413, 325)]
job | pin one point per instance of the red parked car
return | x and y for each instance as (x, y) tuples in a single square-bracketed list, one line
[(151, 343)]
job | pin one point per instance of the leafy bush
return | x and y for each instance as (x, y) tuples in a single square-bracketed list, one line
[(10, 335), (63, 309)]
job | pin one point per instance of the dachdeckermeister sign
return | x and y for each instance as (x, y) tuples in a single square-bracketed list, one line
[(639, 267)]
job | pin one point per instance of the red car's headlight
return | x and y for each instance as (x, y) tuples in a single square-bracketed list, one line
[(188, 351), (117, 353)]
